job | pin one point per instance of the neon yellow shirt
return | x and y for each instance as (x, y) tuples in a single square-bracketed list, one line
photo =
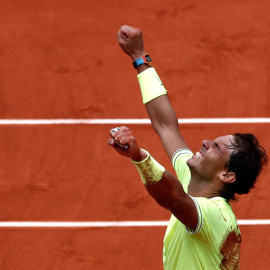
[(215, 243)]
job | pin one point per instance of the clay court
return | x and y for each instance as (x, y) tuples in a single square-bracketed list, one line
[(60, 62)]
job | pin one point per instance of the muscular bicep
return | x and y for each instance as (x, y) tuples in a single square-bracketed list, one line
[(169, 193), (165, 123)]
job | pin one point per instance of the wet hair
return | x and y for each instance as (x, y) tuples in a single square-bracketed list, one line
[(246, 161)]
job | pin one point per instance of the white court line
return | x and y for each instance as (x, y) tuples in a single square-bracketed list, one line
[(103, 224), (131, 121)]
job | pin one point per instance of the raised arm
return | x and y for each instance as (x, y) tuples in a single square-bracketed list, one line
[(155, 98), (165, 188)]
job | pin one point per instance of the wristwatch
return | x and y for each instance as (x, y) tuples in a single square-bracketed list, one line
[(145, 59)]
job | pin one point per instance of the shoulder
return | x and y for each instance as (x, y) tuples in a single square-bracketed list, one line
[(179, 162), (181, 156), (215, 217)]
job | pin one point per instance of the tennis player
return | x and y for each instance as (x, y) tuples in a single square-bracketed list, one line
[(202, 232)]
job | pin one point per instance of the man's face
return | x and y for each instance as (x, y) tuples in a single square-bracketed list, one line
[(210, 160)]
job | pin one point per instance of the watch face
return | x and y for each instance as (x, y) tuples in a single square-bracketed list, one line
[(148, 59)]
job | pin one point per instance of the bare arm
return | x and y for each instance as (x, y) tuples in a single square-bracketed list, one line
[(165, 123), (167, 191), (160, 111)]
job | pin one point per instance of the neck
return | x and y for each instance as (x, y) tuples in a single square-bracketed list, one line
[(202, 188)]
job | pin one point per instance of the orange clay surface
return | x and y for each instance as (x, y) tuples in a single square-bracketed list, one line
[(60, 59)]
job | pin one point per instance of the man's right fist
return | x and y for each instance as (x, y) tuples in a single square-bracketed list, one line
[(130, 40)]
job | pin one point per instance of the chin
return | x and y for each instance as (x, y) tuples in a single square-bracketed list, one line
[(190, 162)]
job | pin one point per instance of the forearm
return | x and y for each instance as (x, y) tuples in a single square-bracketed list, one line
[(161, 114), (165, 188), (155, 98), (160, 111), (168, 192)]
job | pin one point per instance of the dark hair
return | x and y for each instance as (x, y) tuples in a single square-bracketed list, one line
[(246, 161)]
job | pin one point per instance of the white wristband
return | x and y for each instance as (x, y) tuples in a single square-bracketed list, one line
[(151, 85), (149, 169)]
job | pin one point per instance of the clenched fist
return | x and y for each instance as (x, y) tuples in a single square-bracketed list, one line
[(131, 41), (124, 143)]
